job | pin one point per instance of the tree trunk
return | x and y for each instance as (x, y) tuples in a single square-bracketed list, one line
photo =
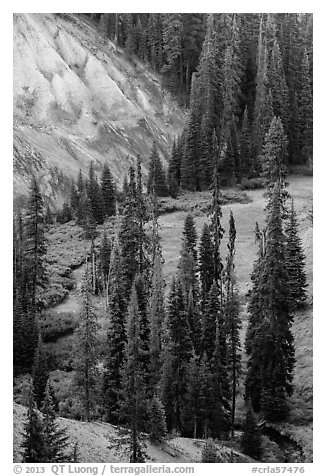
[(116, 31), (195, 428), (233, 390)]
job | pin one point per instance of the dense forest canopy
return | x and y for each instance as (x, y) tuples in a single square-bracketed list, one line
[(234, 72)]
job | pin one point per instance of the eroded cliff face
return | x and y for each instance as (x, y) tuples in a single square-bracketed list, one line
[(77, 99)]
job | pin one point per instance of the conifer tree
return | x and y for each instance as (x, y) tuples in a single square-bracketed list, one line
[(209, 453), (85, 217), (40, 372), (208, 77), (157, 420), (251, 443), (133, 238), (187, 273), (134, 392), (210, 321), (271, 350), (263, 111), (274, 154), (155, 40), (55, 438), (33, 445), (255, 324), (74, 199), (86, 352), (177, 356), (305, 111), (173, 175), (142, 218), (48, 217), (188, 260), (278, 86), (80, 184), (116, 337), (220, 420), (156, 314), (18, 337), (232, 320), (217, 230), (172, 45), (125, 188), (108, 192), (19, 267), (206, 264), (295, 262), (229, 159), (144, 327), (25, 337), (105, 258), (75, 454), (129, 236), (130, 43), (190, 235), (189, 176), (156, 175), (200, 401), (194, 320), (245, 152), (230, 89), (35, 246), (206, 148), (94, 195)]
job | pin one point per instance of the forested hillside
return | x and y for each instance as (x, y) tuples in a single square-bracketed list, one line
[(235, 71), (78, 99), (173, 304)]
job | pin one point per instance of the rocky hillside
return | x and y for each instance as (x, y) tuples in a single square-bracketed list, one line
[(77, 98)]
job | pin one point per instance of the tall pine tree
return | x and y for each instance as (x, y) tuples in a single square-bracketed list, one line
[(295, 262), (86, 352), (134, 392)]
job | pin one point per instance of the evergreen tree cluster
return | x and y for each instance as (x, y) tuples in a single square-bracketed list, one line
[(278, 288), (44, 441), (201, 356), (169, 42), (156, 182), (168, 365), (90, 203), (29, 277), (253, 69)]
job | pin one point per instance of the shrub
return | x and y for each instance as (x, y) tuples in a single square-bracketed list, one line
[(63, 388), (22, 388), (252, 184), (69, 401), (209, 453), (60, 355), (55, 325), (251, 438), (305, 170), (157, 420)]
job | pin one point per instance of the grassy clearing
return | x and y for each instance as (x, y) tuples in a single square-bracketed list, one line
[(67, 250), (246, 214), (199, 203), (171, 225)]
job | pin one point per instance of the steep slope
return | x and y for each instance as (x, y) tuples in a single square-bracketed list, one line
[(77, 98), (97, 443)]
